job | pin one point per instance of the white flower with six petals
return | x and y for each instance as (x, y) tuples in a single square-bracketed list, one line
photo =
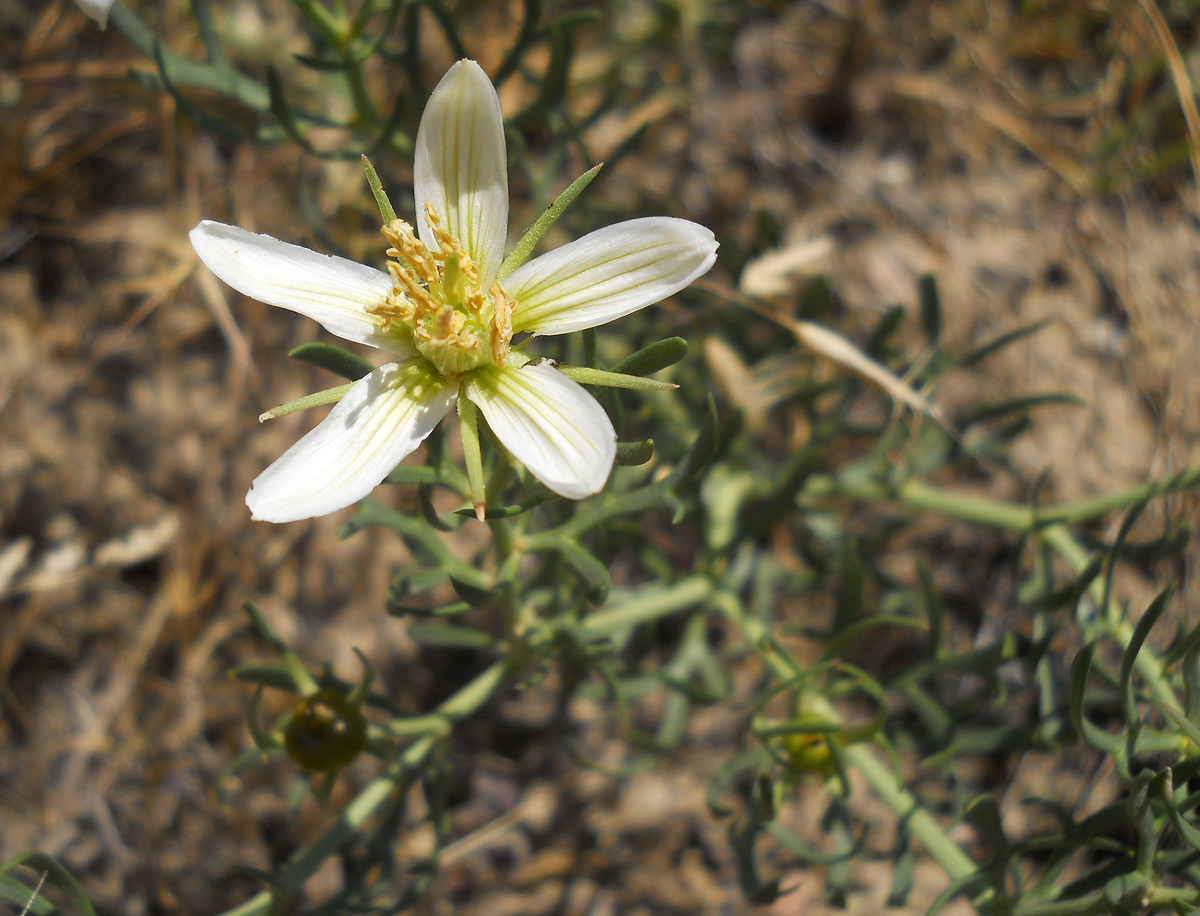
[(446, 319)]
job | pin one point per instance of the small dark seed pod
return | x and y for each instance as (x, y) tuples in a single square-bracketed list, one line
[(326, 732)]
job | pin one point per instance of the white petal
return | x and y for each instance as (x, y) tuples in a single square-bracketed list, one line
[(461, 165), (331, 290), (382, 418), (96, 9), (549, 423), (609, 273)]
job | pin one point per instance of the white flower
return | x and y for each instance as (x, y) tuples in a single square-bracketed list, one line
[(96, 9), (447, 322)]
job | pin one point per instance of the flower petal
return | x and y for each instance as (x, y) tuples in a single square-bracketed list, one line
[(549, 423), (331, 290), (382, 418), (96, 9), (461, 165), (608, 273)]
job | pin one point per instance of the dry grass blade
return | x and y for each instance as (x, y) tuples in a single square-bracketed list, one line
[(836, 348), (1183, 85), (214, 298), (37, 890)]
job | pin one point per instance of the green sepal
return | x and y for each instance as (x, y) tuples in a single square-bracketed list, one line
[(604, 379), (520, 254), (386, 210), (334, 358), (316, 399)]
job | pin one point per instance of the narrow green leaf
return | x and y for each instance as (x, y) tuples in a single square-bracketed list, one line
[(274, 676), (727, 773), (420, 538), (472, 593), (604, 379), (984, 815), (324, 64), (1129, 657), (849, 595), (303, 682), (1105, 741), (1187, 830), (334, 358), (988, 412), (999, 343), (209, 36), (931, 307), (316, 399), (445, 636), (653, 358), (386, 211), (26, 899), (429, 511), (933, 608), (524, 248), (56, 876), (282, 111), (904, 862), (632, 454), (703, 449), (742, 838), (450, 610), (1190, 669), (889, 324), (494, 512), (592, 573)]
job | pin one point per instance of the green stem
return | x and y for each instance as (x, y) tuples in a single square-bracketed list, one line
[(920, 496), (1049, 524), (185, 72), (920, 823), (650, 605), (389, 785), (862, 757)]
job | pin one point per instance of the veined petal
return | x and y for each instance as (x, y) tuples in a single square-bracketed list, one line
[(608, 273), (381, 419), (549, 423), (461, 165), (331, 290)]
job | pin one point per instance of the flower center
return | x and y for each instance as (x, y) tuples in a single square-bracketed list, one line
[(439, 298)]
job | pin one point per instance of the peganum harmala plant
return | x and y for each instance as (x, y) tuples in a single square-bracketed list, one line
[(1071, 669)]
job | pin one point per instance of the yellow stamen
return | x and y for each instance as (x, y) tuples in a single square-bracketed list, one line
[(437, 297), (500, 330)]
